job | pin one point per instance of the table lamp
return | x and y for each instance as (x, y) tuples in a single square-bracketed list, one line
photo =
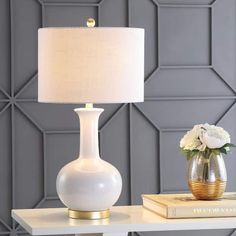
[(90, 65)]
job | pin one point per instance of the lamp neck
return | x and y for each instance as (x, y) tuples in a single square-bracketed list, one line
[(88, 105), (89, 132)]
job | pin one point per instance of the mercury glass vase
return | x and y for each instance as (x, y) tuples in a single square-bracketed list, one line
[(207, 176)]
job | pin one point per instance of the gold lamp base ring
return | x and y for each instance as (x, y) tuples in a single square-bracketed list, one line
[(89, 215)]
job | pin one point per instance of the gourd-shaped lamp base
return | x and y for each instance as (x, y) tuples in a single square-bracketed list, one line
[(89, 186)]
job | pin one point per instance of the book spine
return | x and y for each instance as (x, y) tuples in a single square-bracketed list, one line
[(197, 212)]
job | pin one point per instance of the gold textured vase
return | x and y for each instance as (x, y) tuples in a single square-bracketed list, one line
[(207, 177)]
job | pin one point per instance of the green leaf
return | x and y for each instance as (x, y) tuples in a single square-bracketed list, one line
[(189, 153), (230, 145), (222, 150)]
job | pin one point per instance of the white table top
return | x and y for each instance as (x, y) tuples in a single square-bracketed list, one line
[(49, 221)]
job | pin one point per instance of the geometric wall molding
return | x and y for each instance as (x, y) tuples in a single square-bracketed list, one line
[(190, 76)]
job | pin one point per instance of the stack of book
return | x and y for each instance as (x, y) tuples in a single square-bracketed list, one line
[(186, 206)]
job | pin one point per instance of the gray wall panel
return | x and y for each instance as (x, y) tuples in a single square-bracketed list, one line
[(6, 171), (26, 19), (113, 13), (114, 147), (148, 20), (4, 47), (182, 82), (223, 43), (190, 58), (145, 138), (184, 36)]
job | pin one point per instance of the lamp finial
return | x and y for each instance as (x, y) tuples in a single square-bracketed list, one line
[(91, 22)]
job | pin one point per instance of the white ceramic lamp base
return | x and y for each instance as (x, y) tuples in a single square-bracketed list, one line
[(89, 186)]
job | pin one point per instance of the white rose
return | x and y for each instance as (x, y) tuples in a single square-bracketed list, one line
[(213, 136), (191, 140)]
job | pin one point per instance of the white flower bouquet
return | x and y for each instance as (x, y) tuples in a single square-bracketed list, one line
[(207, 139)]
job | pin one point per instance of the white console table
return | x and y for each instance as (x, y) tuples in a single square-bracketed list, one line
[(123, 219)]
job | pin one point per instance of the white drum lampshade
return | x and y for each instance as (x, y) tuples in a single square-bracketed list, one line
[(90, 65)]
